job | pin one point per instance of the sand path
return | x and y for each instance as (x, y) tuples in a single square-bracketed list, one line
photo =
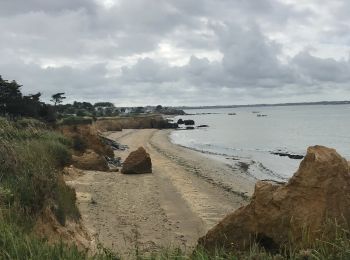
[(171, 207)]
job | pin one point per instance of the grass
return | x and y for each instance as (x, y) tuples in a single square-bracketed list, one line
[(31, 162), (76, 120), (31, 159), (65, 198), (15, 244), (336, 246), (31, 170)]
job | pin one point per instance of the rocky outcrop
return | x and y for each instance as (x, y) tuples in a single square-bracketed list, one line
[(135, 122), (170, 111), (86, 137), (90, 161), (189, 122), (108, 125), (137, 162), (319, 191), (289, 155)]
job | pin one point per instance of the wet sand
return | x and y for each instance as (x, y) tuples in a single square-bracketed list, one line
[(180, 201)]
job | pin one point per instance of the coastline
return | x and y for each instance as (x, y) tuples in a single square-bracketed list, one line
[(211, 168), (185, 196)]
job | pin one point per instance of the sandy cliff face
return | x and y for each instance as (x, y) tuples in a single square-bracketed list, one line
[(89, 135), (318, 191), (141, 122), (92, 150)]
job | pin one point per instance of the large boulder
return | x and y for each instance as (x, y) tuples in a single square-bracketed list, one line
[(137, 162), (90, 161), (318, 192)]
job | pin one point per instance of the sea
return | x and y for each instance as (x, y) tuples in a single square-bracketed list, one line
[(268, 142)]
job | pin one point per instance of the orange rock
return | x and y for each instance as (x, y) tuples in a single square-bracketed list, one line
[(90, 161), (138, 161), (318, 191)]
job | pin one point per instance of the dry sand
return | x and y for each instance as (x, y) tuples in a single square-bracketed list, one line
[(175, 205)]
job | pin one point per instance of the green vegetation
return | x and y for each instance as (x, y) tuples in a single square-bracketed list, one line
[(76, 120), (32, 158), (14, 104), (79, 143), (15, 243), (57, 98), (335, 246)]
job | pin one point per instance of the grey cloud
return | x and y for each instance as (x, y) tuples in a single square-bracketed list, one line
[(13, 7), (149, 71), (328, 70), (95, 53), (87, 82), (249, 55)]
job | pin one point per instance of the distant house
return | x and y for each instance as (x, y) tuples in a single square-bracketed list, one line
[(125, 110)]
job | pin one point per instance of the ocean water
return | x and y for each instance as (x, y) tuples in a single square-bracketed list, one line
[(247, 142)]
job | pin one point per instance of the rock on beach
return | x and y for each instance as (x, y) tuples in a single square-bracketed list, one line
[(137, 162), (318, 192)]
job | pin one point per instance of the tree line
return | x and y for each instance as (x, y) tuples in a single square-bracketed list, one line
[(14, 104)]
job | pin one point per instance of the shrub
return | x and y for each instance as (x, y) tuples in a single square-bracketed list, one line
[(79, 143), (29, 122), (61, 156), (55, 136), (32, 158), (75, 120), (32, 174), (65, 198)]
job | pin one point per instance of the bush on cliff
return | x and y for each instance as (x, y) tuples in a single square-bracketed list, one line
[(30, 170), (31, 181), (76, 120)]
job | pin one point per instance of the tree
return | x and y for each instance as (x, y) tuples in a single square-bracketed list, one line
[(159, 107), (109, 111), (81, 112), (57, 98), (31, 105), (10, 97), (103, 104), (139, 110), (14, 104)]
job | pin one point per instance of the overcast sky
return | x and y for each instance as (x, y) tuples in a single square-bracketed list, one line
[(178, 52)]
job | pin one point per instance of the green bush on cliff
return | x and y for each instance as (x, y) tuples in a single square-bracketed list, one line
[(31, 159), (76, 120)]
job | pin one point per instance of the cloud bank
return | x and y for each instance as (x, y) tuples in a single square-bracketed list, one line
[(178, 52)]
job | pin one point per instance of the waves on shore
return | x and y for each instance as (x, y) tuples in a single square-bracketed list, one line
[(256, 164)]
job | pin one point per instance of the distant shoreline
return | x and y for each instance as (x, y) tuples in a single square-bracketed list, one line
[(326, 103)]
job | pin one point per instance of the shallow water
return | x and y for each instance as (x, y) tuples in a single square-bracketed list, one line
[(246, 139)]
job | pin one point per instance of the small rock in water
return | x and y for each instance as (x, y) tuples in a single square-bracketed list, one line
[(189, 122)]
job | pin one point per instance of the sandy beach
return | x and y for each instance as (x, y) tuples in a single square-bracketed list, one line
[(180, 201)]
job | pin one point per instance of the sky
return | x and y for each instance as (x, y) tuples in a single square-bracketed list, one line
[(178, 52)]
